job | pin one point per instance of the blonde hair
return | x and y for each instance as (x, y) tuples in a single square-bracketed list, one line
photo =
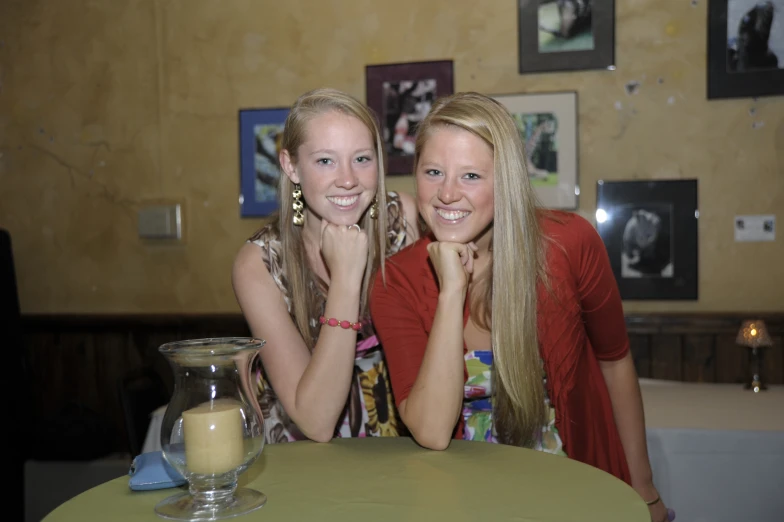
[(306, 305), (506, 298)]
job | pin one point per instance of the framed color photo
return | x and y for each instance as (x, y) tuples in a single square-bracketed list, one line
[(401, 94), (261, 131), (745, 48), (565, 35), (548, 128), (650, 231)]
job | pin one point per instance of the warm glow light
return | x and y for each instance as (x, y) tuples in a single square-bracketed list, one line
[(601, 215), (753, 334)]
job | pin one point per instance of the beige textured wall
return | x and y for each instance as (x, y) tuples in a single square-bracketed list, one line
[(106, 106)]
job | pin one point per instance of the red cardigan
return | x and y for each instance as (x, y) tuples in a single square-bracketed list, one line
[(581, 323)]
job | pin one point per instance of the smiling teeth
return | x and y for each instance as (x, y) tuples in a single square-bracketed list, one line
[(452, 215), (344, 201)]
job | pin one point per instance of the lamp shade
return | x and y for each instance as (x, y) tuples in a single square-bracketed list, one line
[(753, 333)]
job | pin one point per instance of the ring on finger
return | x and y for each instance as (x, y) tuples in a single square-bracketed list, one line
[(353, 226)]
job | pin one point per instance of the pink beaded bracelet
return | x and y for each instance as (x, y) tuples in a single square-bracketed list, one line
[(343, 324)]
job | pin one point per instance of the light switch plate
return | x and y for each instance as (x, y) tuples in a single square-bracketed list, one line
[(160, 222), (755, 228)]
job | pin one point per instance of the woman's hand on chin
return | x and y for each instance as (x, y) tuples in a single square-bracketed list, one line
[(453, 263), (345, 250)]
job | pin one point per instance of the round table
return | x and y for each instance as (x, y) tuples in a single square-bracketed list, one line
[(394, 479)]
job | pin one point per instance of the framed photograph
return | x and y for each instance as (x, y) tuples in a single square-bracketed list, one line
[(401, 94), (261, 131), (565, 35), (548, 127), (650, 231), (745, 48)]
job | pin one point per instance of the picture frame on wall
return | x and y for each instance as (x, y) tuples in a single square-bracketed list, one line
[(650, 231), (260, 134), (565, 35), (548, 127), (745, 48), (401, 95)]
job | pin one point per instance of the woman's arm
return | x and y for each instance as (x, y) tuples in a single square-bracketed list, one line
[(427, 373), (434, 403), (605, 324), (313, 388), (626, 398)]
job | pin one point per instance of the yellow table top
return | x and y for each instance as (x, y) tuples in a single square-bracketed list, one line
[(393, 479)]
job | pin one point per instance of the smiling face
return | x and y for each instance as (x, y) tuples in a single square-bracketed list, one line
[(337, 167), (454, 176)]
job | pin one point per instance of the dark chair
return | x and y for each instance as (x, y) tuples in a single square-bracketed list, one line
[(10, 317), (141, 392)]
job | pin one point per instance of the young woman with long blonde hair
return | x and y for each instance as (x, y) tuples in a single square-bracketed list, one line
[(504, 324), (302, 280)]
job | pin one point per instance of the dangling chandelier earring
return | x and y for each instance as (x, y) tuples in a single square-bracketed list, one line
[(297, 206), (374, 208)]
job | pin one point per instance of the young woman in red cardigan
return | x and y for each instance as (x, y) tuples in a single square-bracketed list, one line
[(504, 323)]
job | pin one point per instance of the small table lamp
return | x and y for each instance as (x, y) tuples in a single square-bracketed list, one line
[(754, 334)]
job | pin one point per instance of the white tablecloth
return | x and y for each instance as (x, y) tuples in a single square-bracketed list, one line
[(717, 450)]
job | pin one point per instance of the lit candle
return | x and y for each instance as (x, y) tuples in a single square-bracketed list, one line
[(213, 437)]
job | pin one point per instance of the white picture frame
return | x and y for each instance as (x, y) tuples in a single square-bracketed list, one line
[(548, 127)]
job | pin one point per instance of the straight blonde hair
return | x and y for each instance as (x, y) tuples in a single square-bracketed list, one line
[(506, 298), (307, 304)]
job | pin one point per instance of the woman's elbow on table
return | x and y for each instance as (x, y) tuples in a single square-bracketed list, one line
[(317, 430), (433, 441), (321, 435), (426, 431), (428, 435)]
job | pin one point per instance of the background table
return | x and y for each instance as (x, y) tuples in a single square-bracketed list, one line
[(717, 450), (393, 479)]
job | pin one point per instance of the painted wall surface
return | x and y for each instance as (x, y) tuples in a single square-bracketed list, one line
[(109, 106)]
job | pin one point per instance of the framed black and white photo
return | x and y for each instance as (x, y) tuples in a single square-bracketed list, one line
[(548, 128), (565, 35), (745, 48), (650, 231), (401, 94), (261, 131)]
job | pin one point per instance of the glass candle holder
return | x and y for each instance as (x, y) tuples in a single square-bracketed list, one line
[(213, 429)]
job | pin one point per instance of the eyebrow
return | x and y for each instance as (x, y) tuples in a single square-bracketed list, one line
[(330, 151), (469, 168)]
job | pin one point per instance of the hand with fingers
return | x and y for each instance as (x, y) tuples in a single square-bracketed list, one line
[(345, 250), (453, 263)]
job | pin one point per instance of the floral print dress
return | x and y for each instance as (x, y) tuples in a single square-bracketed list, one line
[(370, 409), (478, 406)]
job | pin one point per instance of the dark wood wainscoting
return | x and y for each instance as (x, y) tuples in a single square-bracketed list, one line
[(701, 348), (80, 360)]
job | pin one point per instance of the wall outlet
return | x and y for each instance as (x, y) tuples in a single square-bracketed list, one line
[(160, 222)]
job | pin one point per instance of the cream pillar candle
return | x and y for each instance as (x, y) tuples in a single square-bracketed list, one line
[(213, 437)]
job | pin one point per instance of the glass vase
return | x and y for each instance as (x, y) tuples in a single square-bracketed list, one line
[(213, 429)]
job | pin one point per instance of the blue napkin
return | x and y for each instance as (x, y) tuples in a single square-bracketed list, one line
[(151, 471)]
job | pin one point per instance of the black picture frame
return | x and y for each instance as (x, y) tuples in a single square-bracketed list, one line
[(650, 230), (724, 78), (259, 168), (392, 89), (536, 52)]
